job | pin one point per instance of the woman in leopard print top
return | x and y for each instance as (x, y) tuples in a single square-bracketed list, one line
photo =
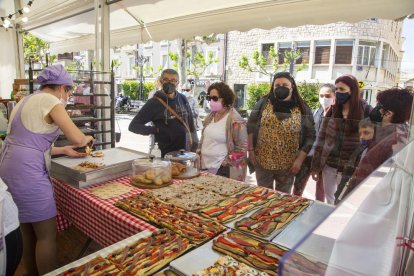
[(281, 133)]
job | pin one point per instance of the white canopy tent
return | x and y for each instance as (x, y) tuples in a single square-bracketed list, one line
[(69, 25)]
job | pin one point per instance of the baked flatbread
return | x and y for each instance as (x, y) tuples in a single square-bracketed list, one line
[(88, 166), (97, 154)]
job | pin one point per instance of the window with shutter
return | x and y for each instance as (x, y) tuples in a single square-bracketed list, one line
[(322, 51), (343, 51)]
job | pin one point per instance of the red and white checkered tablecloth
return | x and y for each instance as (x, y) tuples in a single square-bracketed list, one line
[(97, 218)]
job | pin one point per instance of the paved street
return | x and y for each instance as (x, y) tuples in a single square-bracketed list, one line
[(141, 143)]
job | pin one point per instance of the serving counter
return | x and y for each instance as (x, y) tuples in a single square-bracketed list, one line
[(97, 218)]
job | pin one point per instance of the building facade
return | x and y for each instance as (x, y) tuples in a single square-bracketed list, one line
[(157, 56), (369, 50)]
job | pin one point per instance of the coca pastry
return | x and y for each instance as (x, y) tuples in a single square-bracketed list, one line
[(97, 154), (264, 256), (273, 216), (97, 266), (144, 257), (228, 266), (187, 224), (150, 254), (187, 196), (88, 166), (238, 205)]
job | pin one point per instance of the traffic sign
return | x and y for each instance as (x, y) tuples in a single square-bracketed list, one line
[(361, 84)]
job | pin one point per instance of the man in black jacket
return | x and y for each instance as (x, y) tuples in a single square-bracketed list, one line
[(170, 133)]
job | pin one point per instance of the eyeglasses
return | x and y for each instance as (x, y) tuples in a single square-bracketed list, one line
[(68, 89), (170, 81), (214, 98), (186, 90)]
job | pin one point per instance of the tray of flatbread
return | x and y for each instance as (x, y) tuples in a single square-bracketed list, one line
[(199, 192), (142, 254), (82, 172), (217, 184)]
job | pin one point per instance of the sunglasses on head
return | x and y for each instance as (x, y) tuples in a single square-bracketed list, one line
[(214, 98)]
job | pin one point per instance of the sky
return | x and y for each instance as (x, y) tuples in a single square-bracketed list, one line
[(407, 64)]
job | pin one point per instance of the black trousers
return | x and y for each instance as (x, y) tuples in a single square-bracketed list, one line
[(14, 251)]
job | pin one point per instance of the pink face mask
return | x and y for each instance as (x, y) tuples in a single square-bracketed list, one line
[(216, 106)]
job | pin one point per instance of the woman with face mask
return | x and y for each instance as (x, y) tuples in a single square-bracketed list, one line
[(391, 114), (224, 136), (35, 123), (338, 135), (281, 133), (326, 99)]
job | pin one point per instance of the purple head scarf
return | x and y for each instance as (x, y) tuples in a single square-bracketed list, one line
[(55, 74)]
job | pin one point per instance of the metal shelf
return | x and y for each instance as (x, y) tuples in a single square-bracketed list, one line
[(79, 107), (89, 119), (87, 81), (90, 95)]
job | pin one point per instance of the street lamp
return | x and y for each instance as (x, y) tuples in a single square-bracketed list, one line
[(292, 58), (140, 61)]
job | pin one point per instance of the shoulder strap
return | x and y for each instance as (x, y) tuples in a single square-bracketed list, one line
[(177, 116)]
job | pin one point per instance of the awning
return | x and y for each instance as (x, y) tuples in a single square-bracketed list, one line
[(70, 25)]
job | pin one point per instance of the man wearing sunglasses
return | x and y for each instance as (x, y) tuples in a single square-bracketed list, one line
[(171, 115)]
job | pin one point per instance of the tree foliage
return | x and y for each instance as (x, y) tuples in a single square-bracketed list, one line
[(199, 63), (270, 65), (130, 88), (196, 59), (36, 49), (116, 63), (255, 92), (308, 91)]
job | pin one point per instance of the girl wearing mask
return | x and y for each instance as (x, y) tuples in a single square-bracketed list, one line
[(35, 124), (281, 134), (224, 136), (338, 135)]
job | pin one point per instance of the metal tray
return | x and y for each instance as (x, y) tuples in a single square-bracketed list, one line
[(118, 163), (271, 236), (195, 260), (303, 224)]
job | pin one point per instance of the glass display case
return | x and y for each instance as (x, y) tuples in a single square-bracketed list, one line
[(368, 233)]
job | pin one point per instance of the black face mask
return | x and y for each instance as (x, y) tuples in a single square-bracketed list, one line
[(342, 98), (375, 115), (168, 88), (281, 93)]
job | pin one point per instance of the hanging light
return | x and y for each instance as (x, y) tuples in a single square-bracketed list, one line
[(25, 19), (7, 22), (26, 9)]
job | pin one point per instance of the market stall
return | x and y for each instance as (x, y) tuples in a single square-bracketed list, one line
[(206, 211), (209, 223), (98, 218)]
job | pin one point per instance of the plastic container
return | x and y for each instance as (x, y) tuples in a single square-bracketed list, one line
[(156, 151), (184, 164), (151, 173)]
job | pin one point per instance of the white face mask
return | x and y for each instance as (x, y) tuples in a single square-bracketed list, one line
[(63, 101), (325, 102)]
